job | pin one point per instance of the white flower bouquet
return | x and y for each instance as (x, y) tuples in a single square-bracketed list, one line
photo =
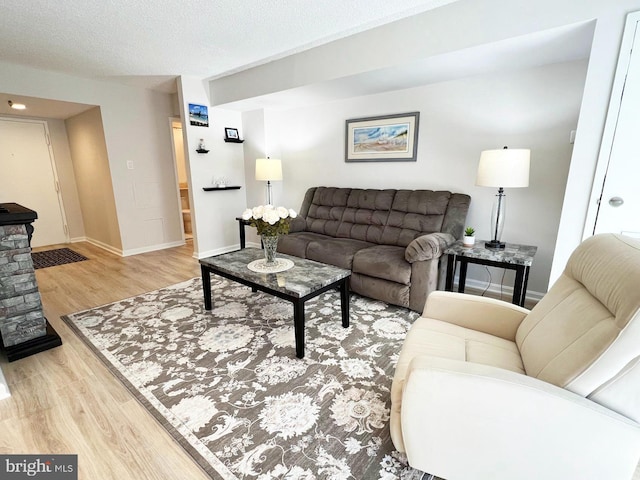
[(269, 220)]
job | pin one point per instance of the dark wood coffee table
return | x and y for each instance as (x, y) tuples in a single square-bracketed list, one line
[(305, 280)]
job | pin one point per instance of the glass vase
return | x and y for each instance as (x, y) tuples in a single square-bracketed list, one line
[(270, 244)]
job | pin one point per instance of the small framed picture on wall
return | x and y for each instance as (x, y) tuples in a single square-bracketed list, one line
[(231, 135), (198, 115)]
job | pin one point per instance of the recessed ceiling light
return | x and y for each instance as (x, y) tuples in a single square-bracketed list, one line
[(17, 106)]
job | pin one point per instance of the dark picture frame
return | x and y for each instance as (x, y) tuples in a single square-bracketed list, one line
[(231, 134), (385, 138), (198, 115)]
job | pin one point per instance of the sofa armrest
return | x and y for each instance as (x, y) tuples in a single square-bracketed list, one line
[(428, 247), (487, 315), (507, 425)]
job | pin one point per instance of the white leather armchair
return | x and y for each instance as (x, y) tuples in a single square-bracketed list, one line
[(484, 389)]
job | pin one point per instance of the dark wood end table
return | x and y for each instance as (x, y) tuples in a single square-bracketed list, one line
[(513, 256)]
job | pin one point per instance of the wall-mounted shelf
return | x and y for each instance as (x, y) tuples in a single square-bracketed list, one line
[(229, 187), (233, 140), (202, 150)]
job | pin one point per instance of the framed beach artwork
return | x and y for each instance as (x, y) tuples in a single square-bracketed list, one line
[(198, 115), (388, 138)]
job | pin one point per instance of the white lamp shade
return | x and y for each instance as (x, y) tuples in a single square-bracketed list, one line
[(268, 169), (507, 167)]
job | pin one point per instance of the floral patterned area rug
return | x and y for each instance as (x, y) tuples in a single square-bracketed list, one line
[(228, 386)]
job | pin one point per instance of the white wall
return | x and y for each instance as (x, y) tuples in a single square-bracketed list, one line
[(460, 25), (213, 214), (535, 108), (135, 130)]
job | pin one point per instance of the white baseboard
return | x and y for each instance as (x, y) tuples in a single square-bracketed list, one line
[(127, 253), (217, 251), (476, 286), (4, 388), (152, 248), (104, 246)]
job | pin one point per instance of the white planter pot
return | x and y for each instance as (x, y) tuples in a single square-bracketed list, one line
[(468, 241)]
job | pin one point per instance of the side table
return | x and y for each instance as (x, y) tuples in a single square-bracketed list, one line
[(513, 257)]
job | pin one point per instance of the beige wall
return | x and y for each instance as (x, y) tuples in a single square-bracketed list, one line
[(138, 143), (66, 178), (93, 176)]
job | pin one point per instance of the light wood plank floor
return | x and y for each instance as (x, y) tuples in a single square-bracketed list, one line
[(65, 401)]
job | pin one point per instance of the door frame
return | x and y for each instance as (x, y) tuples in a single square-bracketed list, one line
[(173, 120), (631, 29), (52, 163)]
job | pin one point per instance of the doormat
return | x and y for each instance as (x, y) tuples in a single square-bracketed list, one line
[(52, 258)]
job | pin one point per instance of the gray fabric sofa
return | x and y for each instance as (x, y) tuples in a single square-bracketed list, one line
[(391, 240)]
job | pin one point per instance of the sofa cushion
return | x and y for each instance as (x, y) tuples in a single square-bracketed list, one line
[(435, 338), (335, 251), (414, 213), (326, 210), (366, 215), (296, 243), (444, 339), (383, 261), (385, 290)]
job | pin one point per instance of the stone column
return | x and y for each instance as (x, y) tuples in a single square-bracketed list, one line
[(21, 317), (23, 328)]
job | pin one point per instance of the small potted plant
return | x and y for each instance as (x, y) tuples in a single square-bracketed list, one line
[(469, 238)]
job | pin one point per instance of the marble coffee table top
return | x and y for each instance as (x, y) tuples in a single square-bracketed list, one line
[(512, 253), (305, 277)]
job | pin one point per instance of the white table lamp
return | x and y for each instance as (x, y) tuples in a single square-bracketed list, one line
[(505, 168), (268, 170)]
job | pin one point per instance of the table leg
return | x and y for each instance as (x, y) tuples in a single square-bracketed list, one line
[(462, 280), (344, 302), (525, 281), (206, 287), (518, 298), (451, 271), (298, 327), (243, 240)]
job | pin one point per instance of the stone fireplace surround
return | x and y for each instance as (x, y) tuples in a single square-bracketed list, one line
[(23, 328)]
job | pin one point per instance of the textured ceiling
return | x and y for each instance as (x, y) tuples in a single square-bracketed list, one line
[(149, 42)]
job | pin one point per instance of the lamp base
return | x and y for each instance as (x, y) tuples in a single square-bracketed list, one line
[(494, 245)]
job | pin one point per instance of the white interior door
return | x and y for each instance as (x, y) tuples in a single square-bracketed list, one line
[(28, 177), (619, 207)]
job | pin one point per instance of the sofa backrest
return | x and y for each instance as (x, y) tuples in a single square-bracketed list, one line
[(323, 208), (390, 217), (584, 335), (416, 212), (366, 215)]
